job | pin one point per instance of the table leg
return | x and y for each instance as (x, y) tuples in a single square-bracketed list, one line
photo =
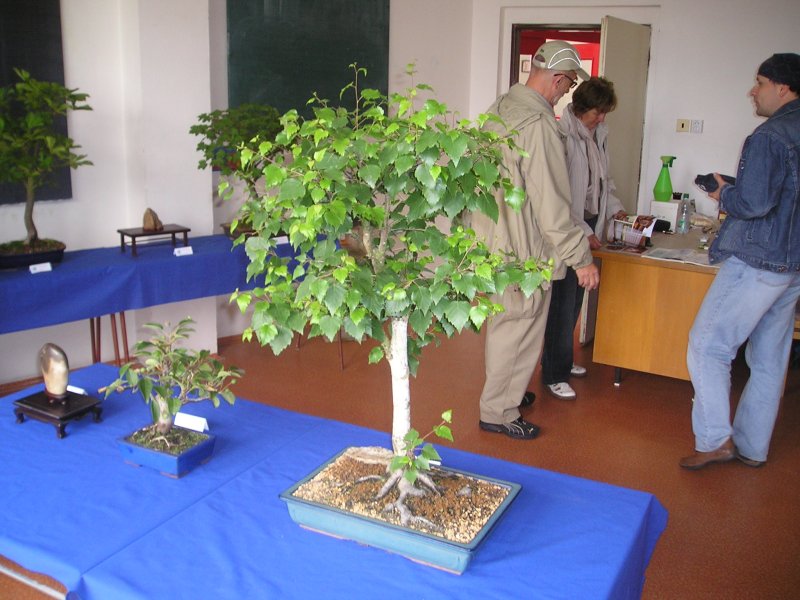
[(94, 332), (115, 339), (185, 238), (617, 376), (133, 245), (124, 328), (122, 242)]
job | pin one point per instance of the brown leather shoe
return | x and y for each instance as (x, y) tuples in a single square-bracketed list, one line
[(749, 461), (698, 460)]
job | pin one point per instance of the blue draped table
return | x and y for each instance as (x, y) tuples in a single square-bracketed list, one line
[(101, 281), (72, 509)]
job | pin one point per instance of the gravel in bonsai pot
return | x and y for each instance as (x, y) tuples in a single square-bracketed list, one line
[(389, 170), (169, 376), (31, 146)]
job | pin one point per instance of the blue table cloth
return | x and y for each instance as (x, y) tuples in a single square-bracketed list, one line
[(101, 281), (72, 509)]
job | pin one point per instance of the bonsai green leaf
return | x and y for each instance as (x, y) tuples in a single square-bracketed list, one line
[(443, 431), (458, 313), (487, 173), (447, 416), (454, 144), (281, 339), (531, 282), (291, 189), (330, 326), (399, 461), (486, 204), (411, 473), (375, 355), (404, 163), (335, 297), (370, 174), (478, 314), (273, 175), (420, 321), (428, 451), (515, 198)]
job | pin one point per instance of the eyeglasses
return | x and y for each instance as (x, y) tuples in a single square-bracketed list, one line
[(572, 82)]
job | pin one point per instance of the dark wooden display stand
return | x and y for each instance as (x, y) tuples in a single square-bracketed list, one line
[(57, 412), (137, 232)]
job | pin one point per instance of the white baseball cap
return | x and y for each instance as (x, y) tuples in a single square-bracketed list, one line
[(558, 55)]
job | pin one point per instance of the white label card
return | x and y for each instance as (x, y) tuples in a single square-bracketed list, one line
[(184, 251), (76, 390), (40, 267), (281, 239), (191, 422)]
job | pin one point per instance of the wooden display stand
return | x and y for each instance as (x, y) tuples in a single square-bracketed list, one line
[(139, 232), (57, 412)]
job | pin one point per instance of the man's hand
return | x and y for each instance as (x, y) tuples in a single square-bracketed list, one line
[(588, 276), (720, 184), (594, 243)]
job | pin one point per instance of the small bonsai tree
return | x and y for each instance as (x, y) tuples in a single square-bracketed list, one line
[(31, 147), (169, 376), (387, 170)]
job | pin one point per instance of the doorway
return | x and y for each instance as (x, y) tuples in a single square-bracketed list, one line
[(526, 39), (620, 51)]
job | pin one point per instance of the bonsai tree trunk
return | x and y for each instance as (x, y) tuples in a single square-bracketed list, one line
[(165, 418), (401, 395), (30, 228)]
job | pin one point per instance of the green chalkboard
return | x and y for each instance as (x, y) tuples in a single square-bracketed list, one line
[(30, 39), (280, 52)]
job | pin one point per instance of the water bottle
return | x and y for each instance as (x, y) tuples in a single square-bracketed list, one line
[(684, 217)]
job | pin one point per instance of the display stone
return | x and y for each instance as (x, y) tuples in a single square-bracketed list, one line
[(43, 408)]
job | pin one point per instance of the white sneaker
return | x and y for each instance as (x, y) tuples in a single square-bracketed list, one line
[(562, 391), (577, 371)]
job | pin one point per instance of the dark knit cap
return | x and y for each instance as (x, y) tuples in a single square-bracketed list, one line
[(782, 68)]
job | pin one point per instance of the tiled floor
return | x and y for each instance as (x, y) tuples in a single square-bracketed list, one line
[(733, 531)]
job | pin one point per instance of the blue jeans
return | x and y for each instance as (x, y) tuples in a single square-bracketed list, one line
[(743, 302)]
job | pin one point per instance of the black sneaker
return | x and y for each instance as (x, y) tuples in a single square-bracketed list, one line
[(527, 399), (518, 429)]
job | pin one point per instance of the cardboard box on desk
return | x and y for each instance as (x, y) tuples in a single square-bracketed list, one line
[(666, 211)]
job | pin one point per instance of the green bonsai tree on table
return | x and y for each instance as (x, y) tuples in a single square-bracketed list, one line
[(168, 376), (31, 147), (386, 172)]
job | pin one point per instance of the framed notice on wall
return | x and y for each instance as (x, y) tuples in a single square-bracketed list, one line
[(282, 53), (30, 39)]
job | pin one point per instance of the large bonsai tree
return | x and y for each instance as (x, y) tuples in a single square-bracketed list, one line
[(31, 146), (388, 171)]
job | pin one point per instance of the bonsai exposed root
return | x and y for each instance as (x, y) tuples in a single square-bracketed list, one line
[(405, 489)]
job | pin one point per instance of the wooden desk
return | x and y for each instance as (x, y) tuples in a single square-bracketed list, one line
[(646, 308)]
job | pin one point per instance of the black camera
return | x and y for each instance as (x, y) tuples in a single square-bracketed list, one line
[(707, 183)]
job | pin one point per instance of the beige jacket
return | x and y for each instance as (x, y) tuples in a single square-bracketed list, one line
[(543, 228)]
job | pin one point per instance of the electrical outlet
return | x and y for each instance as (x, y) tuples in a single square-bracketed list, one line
[(683, 126), (697, 126)]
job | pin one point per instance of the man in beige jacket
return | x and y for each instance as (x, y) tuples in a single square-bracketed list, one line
[(543, 228)]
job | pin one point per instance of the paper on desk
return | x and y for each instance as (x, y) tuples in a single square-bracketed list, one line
[(687, 255)]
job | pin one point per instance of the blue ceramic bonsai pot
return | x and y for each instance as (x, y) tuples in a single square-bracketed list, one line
[(416, 545), (168, 464)]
